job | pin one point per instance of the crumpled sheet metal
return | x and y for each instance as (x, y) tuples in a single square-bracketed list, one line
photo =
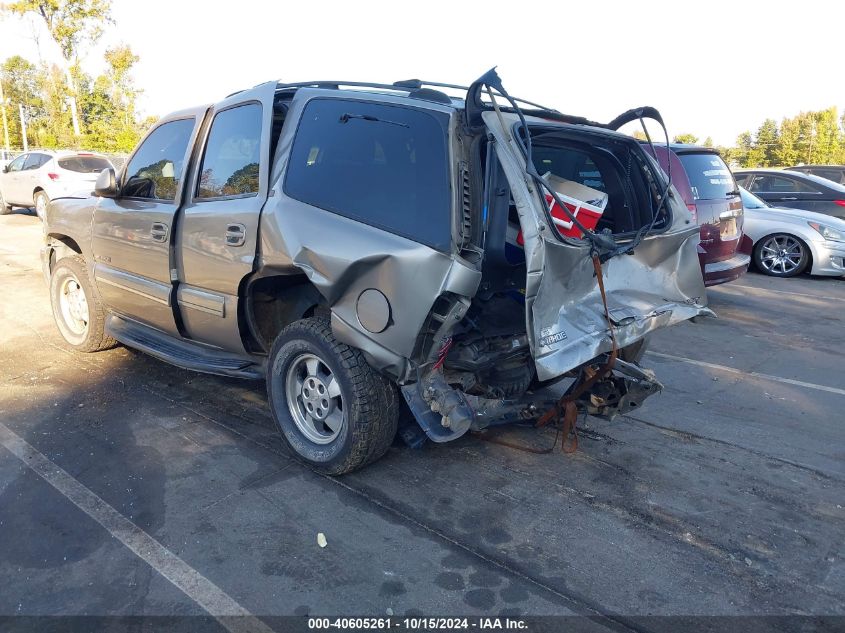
[(570, 316), (659, 285)]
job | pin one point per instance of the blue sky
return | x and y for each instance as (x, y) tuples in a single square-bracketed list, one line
[(713, 68)]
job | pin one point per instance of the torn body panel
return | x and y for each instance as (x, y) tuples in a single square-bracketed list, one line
[(656, 286)]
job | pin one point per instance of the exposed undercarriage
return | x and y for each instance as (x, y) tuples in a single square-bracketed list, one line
[(483, 375)]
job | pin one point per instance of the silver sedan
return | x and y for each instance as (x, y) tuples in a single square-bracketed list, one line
[(788, 242)]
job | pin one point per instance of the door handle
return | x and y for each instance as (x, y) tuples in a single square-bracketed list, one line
[(159, 231), (792, 198), (235, 234)]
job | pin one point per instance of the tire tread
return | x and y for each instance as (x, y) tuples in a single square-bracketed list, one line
[(97, 339), (375, 399)]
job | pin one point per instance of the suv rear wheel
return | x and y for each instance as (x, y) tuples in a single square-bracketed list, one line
[(335, 412), (77, 310)]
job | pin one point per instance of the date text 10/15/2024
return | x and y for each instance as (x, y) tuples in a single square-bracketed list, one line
[(420, 623)]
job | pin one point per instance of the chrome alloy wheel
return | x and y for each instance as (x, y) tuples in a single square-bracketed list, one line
[(781, 254), (314, 399), (74, 306)]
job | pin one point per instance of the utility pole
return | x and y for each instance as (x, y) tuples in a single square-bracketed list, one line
[(5, 122), (71, 99), (23, 128)]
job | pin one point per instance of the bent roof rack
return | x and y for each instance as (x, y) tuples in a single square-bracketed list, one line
[(407, 85)]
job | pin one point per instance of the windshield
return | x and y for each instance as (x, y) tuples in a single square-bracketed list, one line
[(709, 177), (750, 201)]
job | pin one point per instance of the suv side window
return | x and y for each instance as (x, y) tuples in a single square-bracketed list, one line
[(230, 162), (35, 161), (17, 164), (155, 170), (383, 165), (779, 184), (830, 174)]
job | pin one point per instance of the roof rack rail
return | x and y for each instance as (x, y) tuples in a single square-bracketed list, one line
[(407, 85)]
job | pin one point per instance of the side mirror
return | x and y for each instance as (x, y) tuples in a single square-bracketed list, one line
[(5, 169), (106, 185)]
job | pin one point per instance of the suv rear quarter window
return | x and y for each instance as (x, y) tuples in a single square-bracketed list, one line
[(709, 176), (84, 164), (383, 165)]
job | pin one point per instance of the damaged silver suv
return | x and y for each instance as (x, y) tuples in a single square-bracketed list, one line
[(366, 248)]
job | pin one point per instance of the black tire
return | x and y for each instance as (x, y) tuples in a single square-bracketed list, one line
[(71, 271), (5, 209), (370, 403), (511, 381), (39, 197), (793, 262)]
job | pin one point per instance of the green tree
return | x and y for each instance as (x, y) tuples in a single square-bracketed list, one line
[(21, 87), (806, 125), (121, 61), (786, 153), (56, 130), (766, 144), (71, 24), (708, 142), (828, 136), (743, 150), (692, 139)]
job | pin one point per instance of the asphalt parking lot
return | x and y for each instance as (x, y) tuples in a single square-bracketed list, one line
[(130, 487)]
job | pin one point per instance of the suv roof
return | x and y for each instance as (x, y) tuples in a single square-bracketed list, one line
[(430, 91), (686, 148), (411, 88)]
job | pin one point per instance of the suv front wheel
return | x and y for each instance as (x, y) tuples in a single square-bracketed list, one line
[(335, 412), (77, 310)]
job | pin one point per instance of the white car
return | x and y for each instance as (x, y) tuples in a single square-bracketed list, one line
[(788, 241), (35, 178)]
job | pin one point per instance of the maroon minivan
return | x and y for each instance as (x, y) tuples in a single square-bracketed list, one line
[(708, 188)]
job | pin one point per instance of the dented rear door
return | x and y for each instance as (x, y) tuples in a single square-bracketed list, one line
[(659, 285)]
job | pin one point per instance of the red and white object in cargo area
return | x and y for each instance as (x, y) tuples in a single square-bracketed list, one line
[(584, 203)]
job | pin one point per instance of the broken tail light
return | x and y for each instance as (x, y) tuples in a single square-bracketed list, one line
[(692, 209)]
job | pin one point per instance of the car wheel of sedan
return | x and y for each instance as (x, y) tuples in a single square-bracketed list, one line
[(41, 201), (4, 208), (77, 310), (336, 413), (781, 255)]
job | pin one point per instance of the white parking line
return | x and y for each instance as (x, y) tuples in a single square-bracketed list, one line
[(231, 615), (780, 292), (753, 374)]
